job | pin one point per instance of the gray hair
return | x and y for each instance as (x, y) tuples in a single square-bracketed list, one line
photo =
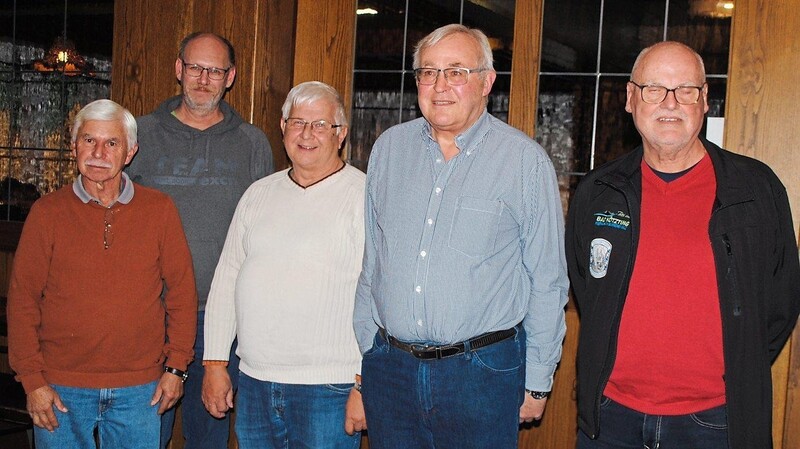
[(313, 91), (486, 60), (647, 50), (106, 110)]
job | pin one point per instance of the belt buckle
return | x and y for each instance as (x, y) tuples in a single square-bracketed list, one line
[(421, 351)]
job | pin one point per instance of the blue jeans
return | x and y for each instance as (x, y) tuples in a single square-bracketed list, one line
[(200, 430), (282, 416), (123, 418), (470, 400), (623, 428)]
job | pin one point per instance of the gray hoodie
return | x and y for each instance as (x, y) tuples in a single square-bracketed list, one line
[(205, 172)]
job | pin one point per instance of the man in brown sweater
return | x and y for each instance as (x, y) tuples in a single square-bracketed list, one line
[(89, 328)]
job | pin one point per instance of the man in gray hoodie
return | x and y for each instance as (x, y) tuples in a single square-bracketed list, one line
[(198, 150)]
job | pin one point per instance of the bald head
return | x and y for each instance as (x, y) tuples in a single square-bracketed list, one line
[(670, 47)]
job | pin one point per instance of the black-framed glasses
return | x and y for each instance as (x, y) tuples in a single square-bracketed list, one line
[(196, 71), (455, 76), (654, 94), (317, 126)]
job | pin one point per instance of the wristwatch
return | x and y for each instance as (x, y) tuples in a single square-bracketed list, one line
[(182, 374), (538, 394)]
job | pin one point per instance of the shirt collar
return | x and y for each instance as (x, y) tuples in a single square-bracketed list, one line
[(469, 139), (125, 196)]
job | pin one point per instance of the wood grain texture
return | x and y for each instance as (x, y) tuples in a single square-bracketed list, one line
[(525, 65), (273, 58), (325, 45), (558, 428), (762, 112), (144, 51)]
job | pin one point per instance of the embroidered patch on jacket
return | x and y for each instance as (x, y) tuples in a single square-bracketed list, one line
[(619, 220), (598, 257)]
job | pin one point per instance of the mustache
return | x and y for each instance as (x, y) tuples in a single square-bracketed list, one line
[(97, 163)]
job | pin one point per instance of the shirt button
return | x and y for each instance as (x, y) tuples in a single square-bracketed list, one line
[(423, 253), (439, 161), (418, 289), (419, 322), (438, 190), (430, 221)]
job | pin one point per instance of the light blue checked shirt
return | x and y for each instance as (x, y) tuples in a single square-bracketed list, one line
[(458, 248)]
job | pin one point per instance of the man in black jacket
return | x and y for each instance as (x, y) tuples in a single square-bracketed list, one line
[(683, 261)]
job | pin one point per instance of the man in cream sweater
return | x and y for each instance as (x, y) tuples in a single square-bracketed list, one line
[(285, 285)]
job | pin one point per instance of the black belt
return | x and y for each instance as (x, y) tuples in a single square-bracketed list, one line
[(425, 352)]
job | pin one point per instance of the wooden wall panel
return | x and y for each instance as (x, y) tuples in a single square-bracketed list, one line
[(145, 45), (273, 58), (325, 44), (525, 65), (761, 116), (558, 428)]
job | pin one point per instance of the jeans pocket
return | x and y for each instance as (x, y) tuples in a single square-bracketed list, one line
[(343, 389), (475, 226), (379, 346), (503, 357), (714, 418)]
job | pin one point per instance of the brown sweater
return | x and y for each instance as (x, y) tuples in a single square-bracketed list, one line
[(85, 316)]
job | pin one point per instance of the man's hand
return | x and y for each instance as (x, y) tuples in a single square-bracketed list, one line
[(354, 418), (40, 406), (168, 391), (217, 390), (532, 409)]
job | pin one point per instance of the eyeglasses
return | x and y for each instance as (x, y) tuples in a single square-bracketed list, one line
[(317, 126), (653, 94), (196, 71), (455, 76), (108, 234)]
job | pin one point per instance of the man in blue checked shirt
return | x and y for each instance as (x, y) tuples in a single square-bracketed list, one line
[(460, 305)]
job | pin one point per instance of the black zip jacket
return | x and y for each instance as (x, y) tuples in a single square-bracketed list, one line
[(757, 269)]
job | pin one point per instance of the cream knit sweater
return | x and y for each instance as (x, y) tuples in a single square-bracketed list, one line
[(286, 280)]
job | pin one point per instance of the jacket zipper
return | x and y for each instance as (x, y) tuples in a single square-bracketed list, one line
[(730, 275)]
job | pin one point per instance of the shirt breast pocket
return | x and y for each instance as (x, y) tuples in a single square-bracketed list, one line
[(475, 226)]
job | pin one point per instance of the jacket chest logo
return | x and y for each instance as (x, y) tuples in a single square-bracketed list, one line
[(618, 220)]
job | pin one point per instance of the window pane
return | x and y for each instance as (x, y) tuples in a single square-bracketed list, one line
[(616, 134), (425, 16), (702, 29), (496, 20), (379, 37), (498, 97), (628, 27), (90, 26), (717, 87), (376, 107), (569, 36), (564, 121)]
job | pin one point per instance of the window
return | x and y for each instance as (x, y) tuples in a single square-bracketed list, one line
[(55, 56)]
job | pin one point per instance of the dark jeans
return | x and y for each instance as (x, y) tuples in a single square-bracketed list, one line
[(623, 428), (201, 430), (468, 401), (272, 415)]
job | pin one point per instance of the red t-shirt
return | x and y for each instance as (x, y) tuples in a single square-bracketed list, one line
[(669, 351)]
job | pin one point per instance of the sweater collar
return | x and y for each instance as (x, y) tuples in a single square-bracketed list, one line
[(125, 196)]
